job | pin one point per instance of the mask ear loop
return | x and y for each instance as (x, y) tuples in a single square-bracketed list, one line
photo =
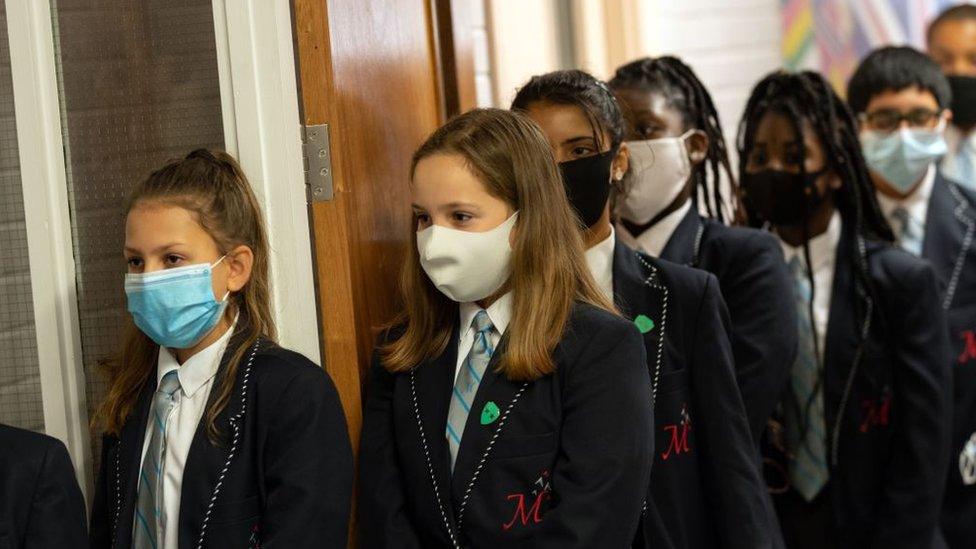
[(214, 264)]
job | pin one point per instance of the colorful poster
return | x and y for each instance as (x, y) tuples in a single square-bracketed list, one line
[(831, 36)]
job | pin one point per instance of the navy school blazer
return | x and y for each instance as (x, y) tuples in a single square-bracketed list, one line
[(281, 476), (564, 464), (886, 399), (757, 288), (41, 506), (706, 490), (948, 245)]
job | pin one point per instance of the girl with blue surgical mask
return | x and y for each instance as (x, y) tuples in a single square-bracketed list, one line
[(213, 433)]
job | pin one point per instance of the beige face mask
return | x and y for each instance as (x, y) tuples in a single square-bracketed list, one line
[(467, 266), (659, 170)]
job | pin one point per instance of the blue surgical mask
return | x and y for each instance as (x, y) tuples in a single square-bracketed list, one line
[(176, 308), (903, 156)]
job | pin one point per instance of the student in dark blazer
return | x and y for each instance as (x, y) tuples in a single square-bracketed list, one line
[(705, 489), (902, 100), (510, 406), (678, 158), (862, 445), (41, 506), (215, 436)]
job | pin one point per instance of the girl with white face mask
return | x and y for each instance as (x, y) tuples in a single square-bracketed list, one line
[(679, 166), (509, 404)]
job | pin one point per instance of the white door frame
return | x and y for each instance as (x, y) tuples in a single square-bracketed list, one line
[(262, 128), (259, 100), (52, 265)]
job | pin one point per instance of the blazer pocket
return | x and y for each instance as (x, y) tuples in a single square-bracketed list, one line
[(672, 382), (523, 445), (236, 511)]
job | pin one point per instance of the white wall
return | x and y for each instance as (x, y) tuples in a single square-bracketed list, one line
[(730, 44), (524, 41)]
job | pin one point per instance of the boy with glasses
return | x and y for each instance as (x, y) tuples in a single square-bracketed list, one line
[(901, 99)]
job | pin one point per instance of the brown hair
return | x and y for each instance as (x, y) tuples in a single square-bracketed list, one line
[(212, 186), (512, 158)]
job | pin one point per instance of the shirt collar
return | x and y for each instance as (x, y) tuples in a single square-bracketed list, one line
[(499, 312), (822, 247), (198, 369), (653, 240), (914, 203), (600, 260)]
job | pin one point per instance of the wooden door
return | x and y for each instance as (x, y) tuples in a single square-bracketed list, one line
[(371, 71)]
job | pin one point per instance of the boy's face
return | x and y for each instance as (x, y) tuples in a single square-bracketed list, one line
[(911, 107), (953, 46)]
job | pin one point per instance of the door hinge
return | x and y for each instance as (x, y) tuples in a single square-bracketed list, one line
[(317, 158)]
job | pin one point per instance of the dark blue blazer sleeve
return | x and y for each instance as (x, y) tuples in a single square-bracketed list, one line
[(725, 446), (603, 469), (758, 292), (308, 468), (57, 508), (383, 519), (916, 470)]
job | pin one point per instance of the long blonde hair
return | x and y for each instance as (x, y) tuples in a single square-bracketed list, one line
[(512, 158), (212, 186)]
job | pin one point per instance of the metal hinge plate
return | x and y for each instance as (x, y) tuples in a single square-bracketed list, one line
[(317, 158)]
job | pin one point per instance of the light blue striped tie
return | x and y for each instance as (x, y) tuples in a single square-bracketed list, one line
[(467, 382), (808, 470), (910, 232), (149, 504)]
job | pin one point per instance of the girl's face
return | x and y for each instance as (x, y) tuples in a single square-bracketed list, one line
[(571, 136), (445, 192), (649, 116), (159, 236), (777, 147)]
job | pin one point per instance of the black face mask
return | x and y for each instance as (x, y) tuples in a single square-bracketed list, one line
[(587, 182), (963, 100), (782, 198)]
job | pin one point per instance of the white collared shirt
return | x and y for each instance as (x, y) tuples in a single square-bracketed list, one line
[(600, 260), (823, 256), (954, 142), (196, 377), (653, 240), (916, 204), (500, 313)]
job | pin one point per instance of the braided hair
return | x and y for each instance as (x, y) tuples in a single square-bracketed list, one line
[(575, 87), (685, 93), (807, 96)]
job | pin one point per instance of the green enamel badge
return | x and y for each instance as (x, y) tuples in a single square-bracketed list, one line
[(644, 324), (490, 413)]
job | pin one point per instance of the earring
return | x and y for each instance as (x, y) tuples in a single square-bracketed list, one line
[(618, 175)]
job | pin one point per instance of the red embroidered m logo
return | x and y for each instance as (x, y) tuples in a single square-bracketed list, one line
[(525, 516), (969, 348)]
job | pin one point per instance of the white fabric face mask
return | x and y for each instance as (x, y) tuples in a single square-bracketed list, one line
[(467, 266), (659, 170)]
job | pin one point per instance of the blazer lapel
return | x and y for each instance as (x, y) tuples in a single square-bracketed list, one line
[(129, 461), (642, 297), (682, 247), (949, 231), (432, 384), (482, 428), (199, 475), (843, 332)]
